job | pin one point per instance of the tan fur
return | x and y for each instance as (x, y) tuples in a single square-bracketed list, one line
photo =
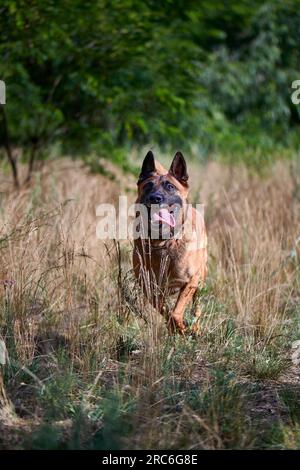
[(160, 170), (175, 266)]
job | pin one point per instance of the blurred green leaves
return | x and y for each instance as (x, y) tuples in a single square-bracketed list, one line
[(212, 74)]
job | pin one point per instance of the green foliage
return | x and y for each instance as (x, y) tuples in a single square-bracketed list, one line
[(116, 411), (213, 75)]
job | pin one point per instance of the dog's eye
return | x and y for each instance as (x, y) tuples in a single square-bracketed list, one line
[(169, 186)]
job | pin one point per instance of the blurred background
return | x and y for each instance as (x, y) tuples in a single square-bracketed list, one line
[(212, 78)]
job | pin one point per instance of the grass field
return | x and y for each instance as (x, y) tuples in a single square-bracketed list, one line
[(88, 367)]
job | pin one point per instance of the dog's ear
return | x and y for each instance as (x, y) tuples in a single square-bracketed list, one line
[(148, 167), (178, 168)]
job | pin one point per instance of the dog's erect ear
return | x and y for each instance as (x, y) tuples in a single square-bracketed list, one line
[(178, 168), (148, 167)]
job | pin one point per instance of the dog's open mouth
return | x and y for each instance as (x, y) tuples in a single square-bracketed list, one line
[(164, 216)]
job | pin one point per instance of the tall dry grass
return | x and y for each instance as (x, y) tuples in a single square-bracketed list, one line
[(83, 348)]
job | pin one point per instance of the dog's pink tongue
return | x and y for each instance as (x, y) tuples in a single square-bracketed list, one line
[(163, 215)]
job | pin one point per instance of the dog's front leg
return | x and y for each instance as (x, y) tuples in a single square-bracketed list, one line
[(186, 293), (197, 312)]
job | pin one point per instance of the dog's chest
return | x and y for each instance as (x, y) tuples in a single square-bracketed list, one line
[(170, 265)]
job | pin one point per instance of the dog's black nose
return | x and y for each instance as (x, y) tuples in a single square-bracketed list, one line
[(155, 198)]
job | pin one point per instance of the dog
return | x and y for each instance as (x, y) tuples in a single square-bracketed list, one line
[(177, 264)]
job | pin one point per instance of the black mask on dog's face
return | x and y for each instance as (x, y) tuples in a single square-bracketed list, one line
[(163, 195)]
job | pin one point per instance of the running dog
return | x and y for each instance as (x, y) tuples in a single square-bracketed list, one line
[(176, 263)]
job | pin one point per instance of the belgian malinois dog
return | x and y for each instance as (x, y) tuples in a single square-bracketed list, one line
[(175, 264)]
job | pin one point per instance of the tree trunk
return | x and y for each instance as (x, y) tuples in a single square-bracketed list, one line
[(8, 149), (31, 162)]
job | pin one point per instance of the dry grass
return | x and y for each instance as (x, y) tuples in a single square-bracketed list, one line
[(90, 367)]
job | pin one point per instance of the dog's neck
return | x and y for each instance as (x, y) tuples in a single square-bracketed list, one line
[(151, 246)]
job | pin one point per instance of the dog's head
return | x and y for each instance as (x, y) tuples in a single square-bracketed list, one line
[(163, 192)]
